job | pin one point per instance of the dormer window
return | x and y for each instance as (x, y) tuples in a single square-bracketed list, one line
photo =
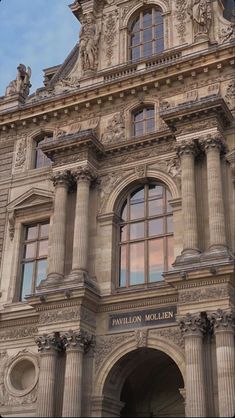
[(146, 34), (143, 121)]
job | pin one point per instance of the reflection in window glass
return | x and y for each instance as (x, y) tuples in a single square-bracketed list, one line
[(41, 160), (146, 246), (34, 262), (146, 34)]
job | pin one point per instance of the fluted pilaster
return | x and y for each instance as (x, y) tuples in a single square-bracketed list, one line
[(225, 355), (213, 146), (76, 343), (187, 151), (193, 328), (48, 346)]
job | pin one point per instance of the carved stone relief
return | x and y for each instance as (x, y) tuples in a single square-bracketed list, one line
[(141, 337), (204, 293), (227, 33), (88, 42), (115, 131), (21, 85), (141, 171), (181, 15), (200, 12), (174, 169), (106, 344), (172, 334), (110, 32), (230, 95), (107, 185), (21, 147)]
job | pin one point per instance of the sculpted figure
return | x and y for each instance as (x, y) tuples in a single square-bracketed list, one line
[(201, 14), (22, 82), (88, 45)]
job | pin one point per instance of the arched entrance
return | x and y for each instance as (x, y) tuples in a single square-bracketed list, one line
[(144, 383)]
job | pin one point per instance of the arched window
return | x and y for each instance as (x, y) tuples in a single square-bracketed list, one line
[(41, 160), (143, 121), (146, 34), (146, 235)]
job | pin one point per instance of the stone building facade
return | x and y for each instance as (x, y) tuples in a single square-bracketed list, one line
[(117, 218)]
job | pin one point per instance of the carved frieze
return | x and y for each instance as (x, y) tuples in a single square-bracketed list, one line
[(17, 332), (60, 315), (204, 293), (227, 33), (230, 95), (107, 185)]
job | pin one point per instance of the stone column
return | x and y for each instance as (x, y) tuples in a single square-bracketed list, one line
[(187, 151), (76, 343), (80, 241), (48, 346), (56, 258), (193, 328), (213, 146), (225, 355)]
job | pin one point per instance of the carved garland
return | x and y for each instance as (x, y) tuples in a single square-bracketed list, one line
[(181, 17)]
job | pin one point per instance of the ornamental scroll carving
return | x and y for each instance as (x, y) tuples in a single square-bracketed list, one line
[(18, 332), (107, 185), (172, 334), (174, 169), (193, 324), (21, 146), (110, 33), (227, 33), (181, 15), (115, 131), (62, 315), (106, 344)]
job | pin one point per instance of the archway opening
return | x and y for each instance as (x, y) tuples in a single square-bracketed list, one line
[(147, 383)]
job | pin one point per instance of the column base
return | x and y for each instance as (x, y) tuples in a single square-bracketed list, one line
[(217, 252), (188, 256), (80, 278), (52, 280)]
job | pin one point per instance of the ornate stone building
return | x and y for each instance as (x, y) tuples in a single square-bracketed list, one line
[(117, 218)]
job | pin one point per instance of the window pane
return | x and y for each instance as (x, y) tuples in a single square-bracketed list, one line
[(155, 191), (31, 232), (156, 264), (136, 25), (41, 271), (138, 116), (156, 227), (147, 19), (149, 125), (168, 197), (135, 39), (29, 251), (124, 211), (155, 207), (137, 205), (135, 53), (137, 263), (139, 129), (123, 267), (158, 17), (41, 159), (147, 49), (137, 230), (170, 251), (150, 112), (169, 224), (123, 233), (27, 277), (147, 35), (43, 248), (159, 45), (44, 230)]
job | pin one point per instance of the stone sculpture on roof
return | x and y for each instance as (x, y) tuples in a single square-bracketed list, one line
[(21, 84)]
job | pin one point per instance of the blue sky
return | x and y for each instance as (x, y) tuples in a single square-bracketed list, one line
[(37, 33)]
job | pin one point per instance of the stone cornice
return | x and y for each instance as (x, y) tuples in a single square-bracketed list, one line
[(153, 76)]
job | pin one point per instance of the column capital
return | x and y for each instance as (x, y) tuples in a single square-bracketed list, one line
[(187, 146), (193, 325), (84, 174), (213, 141), (49, 343), (78, 340), (223, 320), (61, 178)]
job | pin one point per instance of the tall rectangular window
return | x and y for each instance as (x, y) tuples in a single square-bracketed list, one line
[(34, 260)]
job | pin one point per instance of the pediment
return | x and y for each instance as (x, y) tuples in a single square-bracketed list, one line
[(33, 197), (60, 77)]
